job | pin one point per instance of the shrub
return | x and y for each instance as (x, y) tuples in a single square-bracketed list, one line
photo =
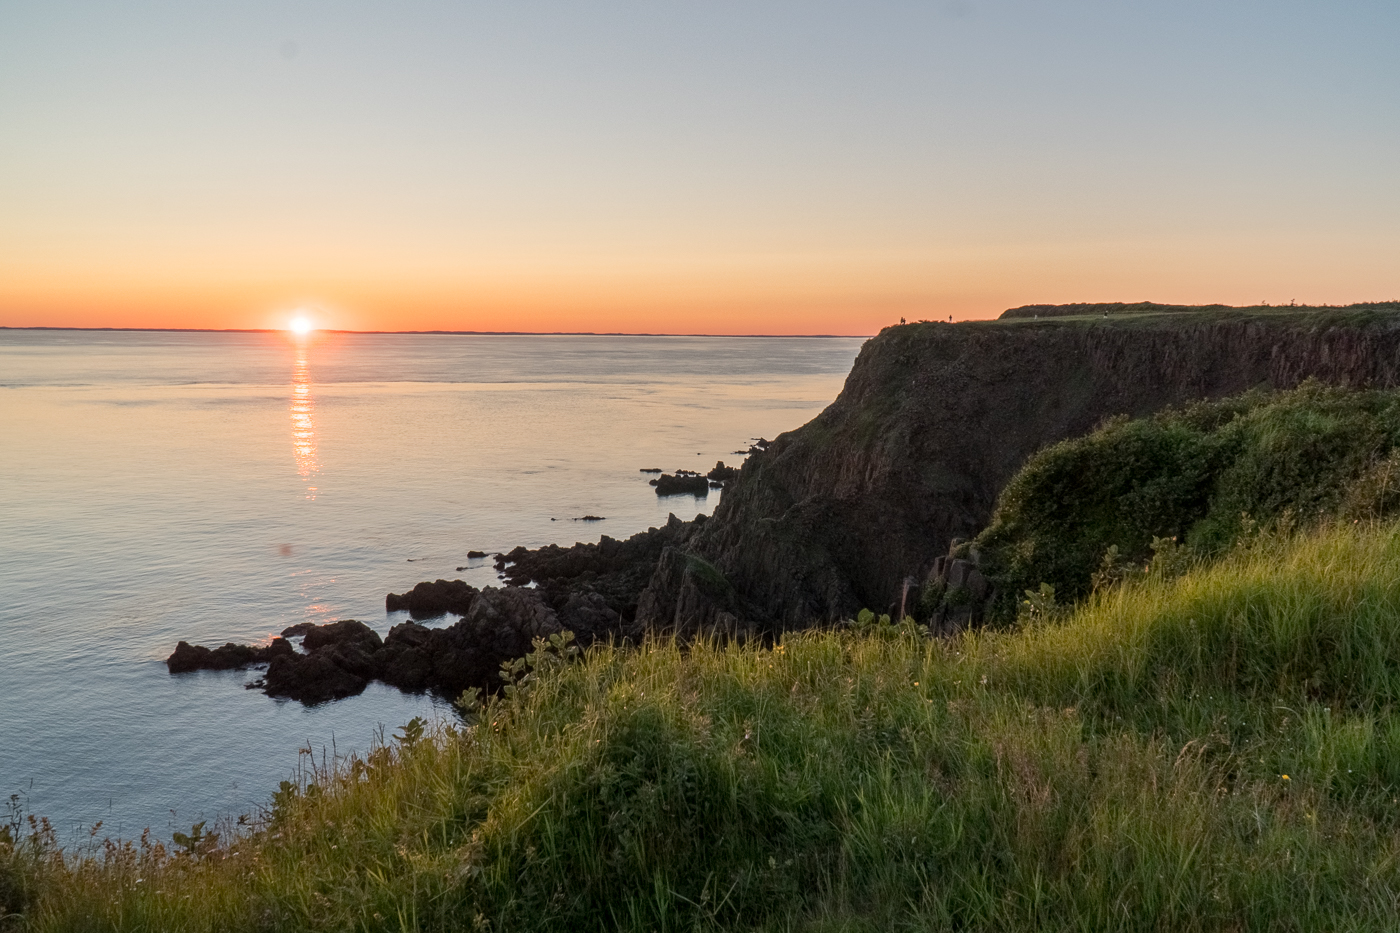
[(1197, 476)]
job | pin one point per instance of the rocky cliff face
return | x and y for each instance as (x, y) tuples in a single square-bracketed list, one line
[(933, 421)]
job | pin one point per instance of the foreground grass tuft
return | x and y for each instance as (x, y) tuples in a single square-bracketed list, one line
[(1210, 752)]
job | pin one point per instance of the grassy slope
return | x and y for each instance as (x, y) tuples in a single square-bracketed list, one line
[(1367, 311), (1122, 769), (1201, 474)]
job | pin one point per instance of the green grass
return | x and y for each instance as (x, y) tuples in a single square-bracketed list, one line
[(1118, 768), (1203, 474), (1360, 314)]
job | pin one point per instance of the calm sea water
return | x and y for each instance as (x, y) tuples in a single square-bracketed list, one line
[(220, 487)]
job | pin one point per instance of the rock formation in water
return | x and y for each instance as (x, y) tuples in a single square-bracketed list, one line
[(684, 483), (229, 657), (722, 475), (588, 589), (340, 659)]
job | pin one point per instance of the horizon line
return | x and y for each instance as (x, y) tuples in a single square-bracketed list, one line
[(464, 333)]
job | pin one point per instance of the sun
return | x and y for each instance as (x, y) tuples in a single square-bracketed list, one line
[(300, 325)]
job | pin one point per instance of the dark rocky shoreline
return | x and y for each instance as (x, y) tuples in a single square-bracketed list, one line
[(592, 590)]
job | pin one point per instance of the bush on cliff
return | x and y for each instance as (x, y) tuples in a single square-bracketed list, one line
[(1203, 475), (1208, 752)]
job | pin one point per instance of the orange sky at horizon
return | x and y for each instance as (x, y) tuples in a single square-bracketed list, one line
[(822, 294), (759, 168)]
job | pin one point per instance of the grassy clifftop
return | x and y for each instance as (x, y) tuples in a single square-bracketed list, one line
[(1359, 310), (1207, 751)]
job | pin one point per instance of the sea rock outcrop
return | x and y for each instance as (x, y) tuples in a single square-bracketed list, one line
[(681, 484), (340, 659), (430, 600), (722, 474), (228, 657), (594, 589)]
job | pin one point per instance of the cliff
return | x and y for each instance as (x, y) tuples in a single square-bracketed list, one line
[(935, 418)]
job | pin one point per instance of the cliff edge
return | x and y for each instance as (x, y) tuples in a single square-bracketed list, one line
[(935, 418)]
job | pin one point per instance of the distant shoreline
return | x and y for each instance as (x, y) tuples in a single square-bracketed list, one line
[(447, 333)]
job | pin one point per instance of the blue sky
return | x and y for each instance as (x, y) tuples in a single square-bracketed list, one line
[(731, 163)]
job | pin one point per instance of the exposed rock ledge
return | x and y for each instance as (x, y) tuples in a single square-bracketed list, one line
[(589, 589), (341, 658)]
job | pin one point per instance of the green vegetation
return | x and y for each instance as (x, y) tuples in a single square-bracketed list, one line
[(1202, 475), (1204, 741), (1207, 749), (1366, 310)]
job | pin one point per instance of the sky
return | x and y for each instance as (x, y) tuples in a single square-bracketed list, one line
[(688, 167)]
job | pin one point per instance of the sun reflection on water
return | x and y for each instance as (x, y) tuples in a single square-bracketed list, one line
[(303, 406)]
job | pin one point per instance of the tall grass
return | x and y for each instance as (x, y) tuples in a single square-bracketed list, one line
[(1211, 752)]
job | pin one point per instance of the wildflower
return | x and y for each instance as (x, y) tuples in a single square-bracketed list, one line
[(1285, 777)]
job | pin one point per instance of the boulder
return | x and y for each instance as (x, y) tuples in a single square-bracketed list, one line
[(588, 616), (346, 632), (228, 657), (668, 485), (430, 600), (722, 474), (406, 659), (500, 627), (310, 678)]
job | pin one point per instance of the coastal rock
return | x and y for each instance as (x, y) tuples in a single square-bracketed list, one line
[(875, 493), (956, 593), (430, 600), (406, 660), (500, 627), (677, 485), (312, 679), (703, 601), (342, 657), (594, 588), (588, 616), (228, 657), (345, 633), (722, 474)]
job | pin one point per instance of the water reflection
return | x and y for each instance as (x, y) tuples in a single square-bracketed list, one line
[(303, 406)]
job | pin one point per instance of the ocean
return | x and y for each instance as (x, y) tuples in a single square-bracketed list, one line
[(213, 487)]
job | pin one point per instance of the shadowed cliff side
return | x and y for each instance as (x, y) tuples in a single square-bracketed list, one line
[(935, 418)]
